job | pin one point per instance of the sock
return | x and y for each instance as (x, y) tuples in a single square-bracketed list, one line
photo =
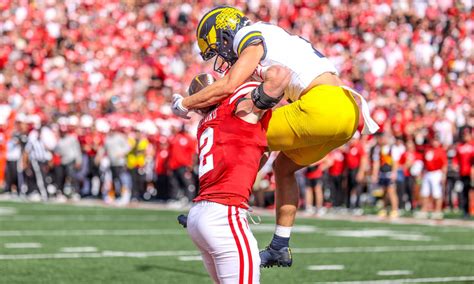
[(281, 238)]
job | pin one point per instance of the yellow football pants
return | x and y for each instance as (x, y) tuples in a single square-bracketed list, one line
[(320, 121)]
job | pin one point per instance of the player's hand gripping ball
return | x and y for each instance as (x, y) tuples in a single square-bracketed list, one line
[(178, 108)]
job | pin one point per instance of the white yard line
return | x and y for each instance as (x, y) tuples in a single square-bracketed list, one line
[(22, 245), (79, 249), (83, 218), (132, 232), (383, 249), (256, 228), (325, 267), (378, 233), (190, 258), (407, 280), (92, 232), (104, 254), (188, 253), (394, 272), (7, 211)]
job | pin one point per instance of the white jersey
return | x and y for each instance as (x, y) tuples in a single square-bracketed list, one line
[(282, 48)]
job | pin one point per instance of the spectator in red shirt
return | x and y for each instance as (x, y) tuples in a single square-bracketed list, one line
[(356, 164), (434, 178), (181, 157), (411, 162), (465, 158), (314, 197), (335, 172), (161, 168)]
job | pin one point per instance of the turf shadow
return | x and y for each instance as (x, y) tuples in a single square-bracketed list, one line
[(147, 267)]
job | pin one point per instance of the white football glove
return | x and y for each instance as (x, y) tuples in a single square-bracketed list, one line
[(178, 108)]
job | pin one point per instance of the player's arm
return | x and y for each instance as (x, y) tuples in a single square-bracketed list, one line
[(222, 88), (252, 106)]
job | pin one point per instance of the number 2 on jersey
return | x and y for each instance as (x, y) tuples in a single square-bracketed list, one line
[(206, 160)]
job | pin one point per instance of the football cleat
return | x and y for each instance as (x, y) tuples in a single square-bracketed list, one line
[(183, 220), (270, 257)]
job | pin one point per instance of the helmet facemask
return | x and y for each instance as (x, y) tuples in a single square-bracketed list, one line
[(226, 56), (223, 51)]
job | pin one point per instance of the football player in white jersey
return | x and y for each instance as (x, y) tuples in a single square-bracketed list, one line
[(323, 114)]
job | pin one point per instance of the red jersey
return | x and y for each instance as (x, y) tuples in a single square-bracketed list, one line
[(181, 151), (465, 158), (161, 160), (230, 150), (354, 155), (435, 159), (409, 158), (314, 171), (337, 167)]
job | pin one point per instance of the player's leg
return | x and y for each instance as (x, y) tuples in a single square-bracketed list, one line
[(223, 232), (320, 197), (40, 180), (195, 223), (310, 196), (287, 195), (252, 246), (305, 130), (438, 195), (393, 197), (351, 188), (9, 176), (466, 181), (287, 189), (323, 115), (424, 193), (236, 257)]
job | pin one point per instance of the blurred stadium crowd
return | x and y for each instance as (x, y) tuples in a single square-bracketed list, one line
[(85, 88)]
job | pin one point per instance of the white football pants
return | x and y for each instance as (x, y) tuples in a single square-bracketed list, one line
[(228, 247), (432, 183)]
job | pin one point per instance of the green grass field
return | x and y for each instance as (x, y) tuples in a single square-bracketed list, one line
[(78, 244)]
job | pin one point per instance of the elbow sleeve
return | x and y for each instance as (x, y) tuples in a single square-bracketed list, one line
[(263, 101)]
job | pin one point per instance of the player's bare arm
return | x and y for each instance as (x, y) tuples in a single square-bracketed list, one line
[(247, 109), (222, 88)]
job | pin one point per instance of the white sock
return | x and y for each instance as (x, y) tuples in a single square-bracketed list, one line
[(283, 231)]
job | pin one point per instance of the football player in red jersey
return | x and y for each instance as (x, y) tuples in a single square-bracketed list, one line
[(232, 140)]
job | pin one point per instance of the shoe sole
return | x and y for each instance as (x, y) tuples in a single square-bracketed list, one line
[(278, 264)]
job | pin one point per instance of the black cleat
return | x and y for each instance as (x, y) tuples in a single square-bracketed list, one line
[(183, 220), (270, 257)]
